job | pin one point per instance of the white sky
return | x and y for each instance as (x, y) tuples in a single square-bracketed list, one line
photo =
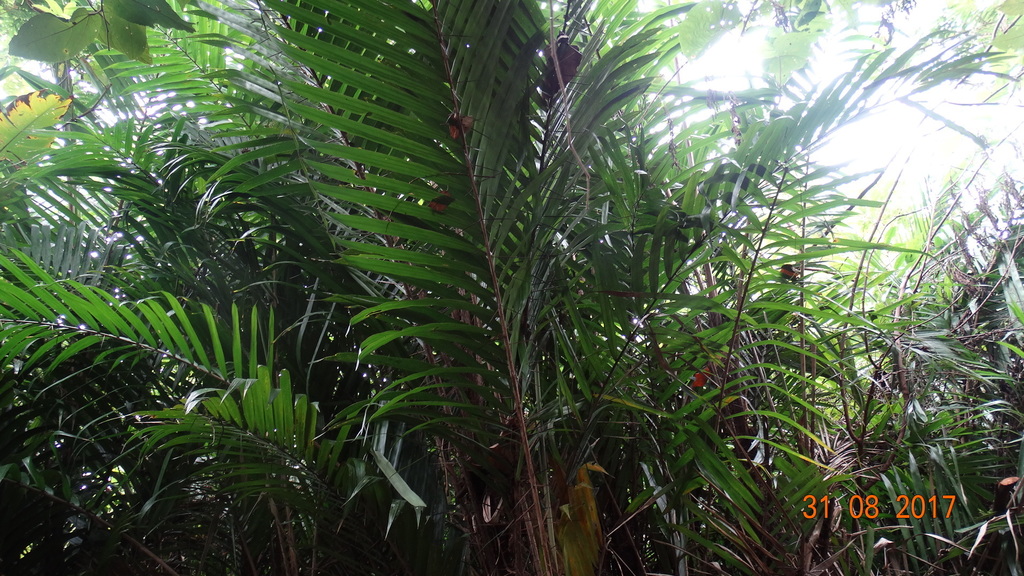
[(922, 152)]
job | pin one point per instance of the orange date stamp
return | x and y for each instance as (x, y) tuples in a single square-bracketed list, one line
[(916, 506)]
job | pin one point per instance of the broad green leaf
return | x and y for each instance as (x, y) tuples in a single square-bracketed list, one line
[(147, 12), (1011, 40), (126, 37), (1012, 7), (811, 10), (27, 113), (48, 38), (705, 23), (787, 52)]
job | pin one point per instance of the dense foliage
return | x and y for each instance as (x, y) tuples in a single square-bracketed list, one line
[(385, 287)]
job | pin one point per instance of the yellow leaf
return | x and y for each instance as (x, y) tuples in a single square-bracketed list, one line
[(578, 530), (25, 115)]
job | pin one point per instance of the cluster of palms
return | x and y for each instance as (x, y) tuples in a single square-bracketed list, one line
[(277, 306)]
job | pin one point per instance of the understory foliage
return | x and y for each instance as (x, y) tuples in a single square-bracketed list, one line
[(337, 288)]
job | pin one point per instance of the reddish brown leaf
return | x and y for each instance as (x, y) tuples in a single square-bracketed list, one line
[(459, 126), (440, 204)]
